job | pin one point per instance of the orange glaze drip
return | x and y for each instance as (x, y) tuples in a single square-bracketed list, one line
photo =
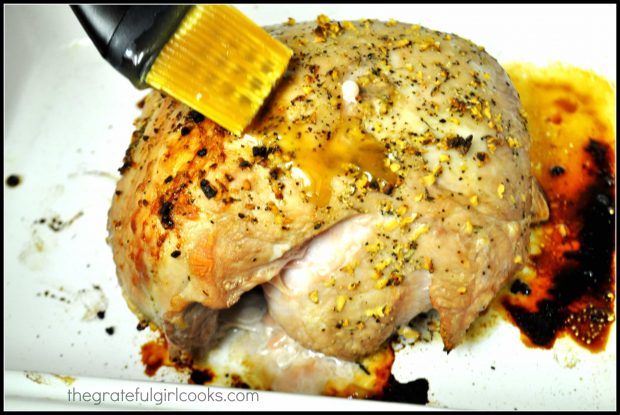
[(566, 109), (370, 381), (155, 355), (348, 150)]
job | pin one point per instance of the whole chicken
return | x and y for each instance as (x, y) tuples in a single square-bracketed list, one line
[(387, 175)]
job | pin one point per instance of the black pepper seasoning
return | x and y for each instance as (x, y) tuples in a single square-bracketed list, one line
[(208, 190), (196, 116), (261, 151), (166, 211)]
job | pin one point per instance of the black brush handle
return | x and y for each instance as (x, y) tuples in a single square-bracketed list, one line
[(130, 37)]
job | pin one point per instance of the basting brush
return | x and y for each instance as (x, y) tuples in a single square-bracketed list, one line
[(210, 57)]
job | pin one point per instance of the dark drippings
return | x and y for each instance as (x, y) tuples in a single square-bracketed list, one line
[(519, 287), (201, 377), (572, 276), (411, 392), (581, 298)]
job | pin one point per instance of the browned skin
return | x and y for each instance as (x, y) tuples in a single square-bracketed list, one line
[(221, 255), (432, 158)]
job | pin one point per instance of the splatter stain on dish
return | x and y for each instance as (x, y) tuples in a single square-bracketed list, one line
[(37, 378), (571, 282), (13, 180), (56, 224), (67, 380)]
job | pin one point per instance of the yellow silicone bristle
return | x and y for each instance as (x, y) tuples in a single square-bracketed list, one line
[(221, 64)]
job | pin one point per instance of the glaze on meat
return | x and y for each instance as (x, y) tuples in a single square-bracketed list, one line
[(354, 215)]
